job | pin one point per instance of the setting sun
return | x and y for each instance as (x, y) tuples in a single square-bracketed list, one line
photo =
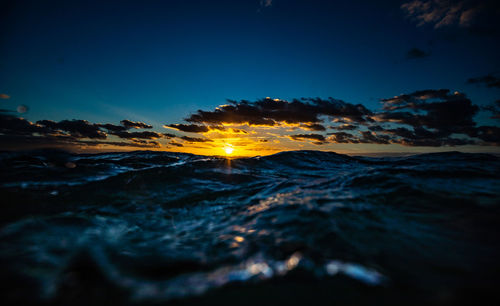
[(228, 150)]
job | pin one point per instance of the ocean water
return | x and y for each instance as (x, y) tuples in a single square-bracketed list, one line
[(302, 227)]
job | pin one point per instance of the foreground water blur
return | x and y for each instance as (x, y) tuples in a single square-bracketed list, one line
[(292, 228)]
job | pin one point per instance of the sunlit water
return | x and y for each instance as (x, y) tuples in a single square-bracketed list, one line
[(293, 228)]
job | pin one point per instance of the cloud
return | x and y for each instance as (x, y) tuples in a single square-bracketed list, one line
[(18, 133), (11, 125), (435, 118), (488, 80), (318, 138), (275, 112), (343, 137), (21, 132), (430, 117), (476, 14), (416, 53), (266, 3), (138, 135), (152, 143), (125, 125), (343, 127), (176, 144), (436, 109), (313, 127), (190, 128), (195, 139), (4, 96), (136, 125), (77, 128), (488, 134), (112, 127), (169, 135), (372, 137), (67, 142), (494, 108), (22, 109), (376, 128)]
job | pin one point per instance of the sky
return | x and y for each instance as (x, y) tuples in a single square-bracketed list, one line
[(255, 77)]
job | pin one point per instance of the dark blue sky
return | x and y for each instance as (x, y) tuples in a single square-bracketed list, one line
[(158, 61)]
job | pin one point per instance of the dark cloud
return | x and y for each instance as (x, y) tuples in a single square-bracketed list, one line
[(343, 137), (138, 135), (488, 134), (372, 137), (313, 127), (125, 125), (190, 128), (427, 118), (169, 135), (408, 100), (345, 127), (136, 125), (431, 117), (488, 80), (176, 144), (112, 127), (11, 125), (15, 142), (272, 112), (318, 138), (494, 109), (20, 132), (77, 128), (435, 118), (419, 136), (375, 128), (151, 143), (436, 109), (239, 131), (195, 139), (416, 53)]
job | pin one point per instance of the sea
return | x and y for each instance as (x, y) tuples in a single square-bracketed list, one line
[(293, 228)]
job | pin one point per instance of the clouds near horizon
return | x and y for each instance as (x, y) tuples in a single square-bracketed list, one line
[(424, 118)]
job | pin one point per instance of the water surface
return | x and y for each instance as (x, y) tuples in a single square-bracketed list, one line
[(292, 228)]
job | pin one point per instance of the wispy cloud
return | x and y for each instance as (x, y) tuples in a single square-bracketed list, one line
[(445, 13), (266, 3), (488, 80)]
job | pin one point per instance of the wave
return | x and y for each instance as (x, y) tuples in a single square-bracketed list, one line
[(157, 227)]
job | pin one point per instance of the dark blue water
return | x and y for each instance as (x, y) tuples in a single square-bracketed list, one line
[(300, 227)]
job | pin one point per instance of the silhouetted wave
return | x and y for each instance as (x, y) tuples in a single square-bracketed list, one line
[(291, 228)]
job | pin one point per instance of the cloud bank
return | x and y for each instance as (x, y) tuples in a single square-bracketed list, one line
[(432, 118), (424, 118)]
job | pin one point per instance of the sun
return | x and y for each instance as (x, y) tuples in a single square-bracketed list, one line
[(228, 150)]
